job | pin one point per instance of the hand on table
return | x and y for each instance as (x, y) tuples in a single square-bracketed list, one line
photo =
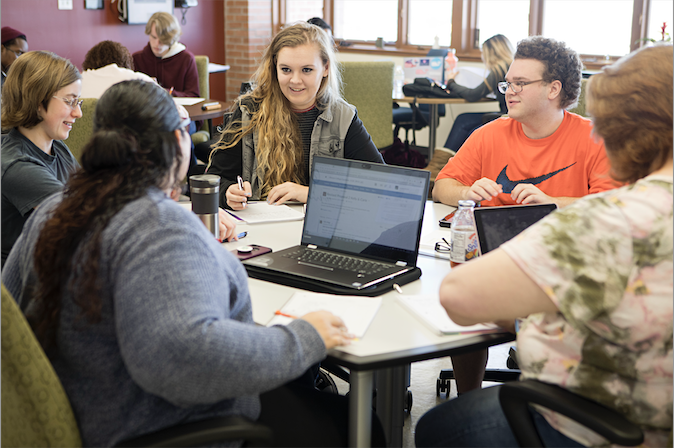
[(237, 199), (483, 190), (330, 327), (227, 226), (287, 191)]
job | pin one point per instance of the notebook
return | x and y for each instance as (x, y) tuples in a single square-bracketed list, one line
[(496, 225), (362, 225)]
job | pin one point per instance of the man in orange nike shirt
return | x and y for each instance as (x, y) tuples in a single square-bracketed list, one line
[(540, 153)]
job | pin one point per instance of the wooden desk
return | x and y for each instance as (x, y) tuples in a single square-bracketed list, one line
[(196, 114), (394, 340), (433, 114)]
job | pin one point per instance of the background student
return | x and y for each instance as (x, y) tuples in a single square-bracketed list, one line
[(497, 55), (105, 64), (295, 112), (14, 44), (116, 268), (166, 59), (40, 103), (593, 280)]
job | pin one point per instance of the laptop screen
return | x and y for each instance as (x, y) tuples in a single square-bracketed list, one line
[(365, 208), (496, 225)]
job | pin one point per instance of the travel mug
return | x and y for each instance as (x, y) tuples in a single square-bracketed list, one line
[(204, 190)]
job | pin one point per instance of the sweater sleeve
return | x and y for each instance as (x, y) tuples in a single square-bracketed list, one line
[(469, 94), (358, 144), (184, 318), (191, 80)]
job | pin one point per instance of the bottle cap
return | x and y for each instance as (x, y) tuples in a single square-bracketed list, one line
[(467, 203)]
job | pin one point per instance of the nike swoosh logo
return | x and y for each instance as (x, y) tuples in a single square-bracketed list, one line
[(508, 184)]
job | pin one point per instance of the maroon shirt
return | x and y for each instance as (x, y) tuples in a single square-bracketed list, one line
[(178, 71)]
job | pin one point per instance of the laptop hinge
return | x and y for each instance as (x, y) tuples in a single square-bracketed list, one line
[(312, 246), (401, 263)]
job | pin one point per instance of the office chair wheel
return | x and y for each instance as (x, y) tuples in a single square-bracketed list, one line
[(408, 405), (443, 384)]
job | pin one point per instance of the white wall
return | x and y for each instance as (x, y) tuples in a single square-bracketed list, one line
[(452, 110)]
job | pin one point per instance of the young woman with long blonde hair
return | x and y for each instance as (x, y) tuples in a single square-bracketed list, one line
[(295, 112)]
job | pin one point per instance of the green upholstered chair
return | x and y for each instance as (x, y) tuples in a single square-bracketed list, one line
[(35, 408), (369, 86), (82, 128), (202, 135), (36, 411), (580, 107)]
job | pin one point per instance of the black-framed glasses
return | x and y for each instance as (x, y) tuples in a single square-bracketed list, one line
[(443, 246), (73, 103), (515, 86)]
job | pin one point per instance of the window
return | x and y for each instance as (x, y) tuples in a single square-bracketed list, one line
[(597, 29)]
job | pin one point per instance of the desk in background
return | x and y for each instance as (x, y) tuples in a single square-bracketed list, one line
[(197, 114), (433, 114), (394, 340)]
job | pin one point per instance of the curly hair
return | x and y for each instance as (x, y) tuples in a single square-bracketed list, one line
[(279, 148), (561, 63), (106, 53), (133, 148), (630, 103), (33, 80)]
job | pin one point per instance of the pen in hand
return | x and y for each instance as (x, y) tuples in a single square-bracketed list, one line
[(281, 313), (239, 180), (171, 91)]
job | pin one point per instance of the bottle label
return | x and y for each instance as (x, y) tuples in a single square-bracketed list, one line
[(464, 246)]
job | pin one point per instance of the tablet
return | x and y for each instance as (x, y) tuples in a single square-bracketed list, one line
[(496, 225)]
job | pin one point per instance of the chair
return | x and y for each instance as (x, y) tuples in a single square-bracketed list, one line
[(36, 410), (516, 397), (580, 107), (368, 86), (402, 118), (82, 129), (204, 134)]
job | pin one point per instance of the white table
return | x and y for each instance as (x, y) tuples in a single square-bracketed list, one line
[(394, 340)]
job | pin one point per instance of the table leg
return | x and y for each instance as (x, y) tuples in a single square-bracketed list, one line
[(432, 129), (360, 408)]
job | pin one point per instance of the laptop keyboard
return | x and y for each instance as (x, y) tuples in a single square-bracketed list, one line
[(330, 259)]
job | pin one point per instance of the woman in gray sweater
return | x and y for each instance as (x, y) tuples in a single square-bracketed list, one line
[(145, 317)]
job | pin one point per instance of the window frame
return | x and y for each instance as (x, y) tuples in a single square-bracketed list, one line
[(464, 21)]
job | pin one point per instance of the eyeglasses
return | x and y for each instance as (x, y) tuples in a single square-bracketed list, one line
[(73, 103), (443, 246), (16, 52), (515, 86)]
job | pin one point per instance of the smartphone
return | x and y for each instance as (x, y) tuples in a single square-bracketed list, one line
[(250, 251), (447, 220)]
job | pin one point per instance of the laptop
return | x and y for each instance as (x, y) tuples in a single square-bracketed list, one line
[(361, 227), (496, 225)]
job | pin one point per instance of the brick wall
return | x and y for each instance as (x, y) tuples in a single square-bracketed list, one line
[(248, 31)]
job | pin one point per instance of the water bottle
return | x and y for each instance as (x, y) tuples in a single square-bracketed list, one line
[(464, 238), (398, 81), (451, 62), (204, 192)]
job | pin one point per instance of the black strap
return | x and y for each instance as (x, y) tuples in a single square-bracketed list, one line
[(261, 273)]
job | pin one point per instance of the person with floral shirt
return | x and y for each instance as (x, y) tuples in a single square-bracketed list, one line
[(593, 281)]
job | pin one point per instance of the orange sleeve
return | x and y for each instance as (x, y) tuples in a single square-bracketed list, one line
[(466, 165)]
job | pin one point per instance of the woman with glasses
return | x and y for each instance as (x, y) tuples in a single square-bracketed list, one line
[(146, 318), (497, 55), (40, 103)]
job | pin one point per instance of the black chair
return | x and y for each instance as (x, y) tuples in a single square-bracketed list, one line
[(414, 118), (516, 397)]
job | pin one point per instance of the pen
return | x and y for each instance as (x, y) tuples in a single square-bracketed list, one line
[(211, 106), (234, 216), (281, 313), (448, 245), (239, 236), (171, 91), (240, 182)]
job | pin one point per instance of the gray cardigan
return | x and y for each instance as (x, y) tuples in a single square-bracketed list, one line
[(177, 341)]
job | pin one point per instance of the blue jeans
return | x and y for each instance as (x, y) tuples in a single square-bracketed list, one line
[(476, 420), (463, 126)]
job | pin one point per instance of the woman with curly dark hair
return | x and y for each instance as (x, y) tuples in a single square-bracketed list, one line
[(107, 63), (146, 318)]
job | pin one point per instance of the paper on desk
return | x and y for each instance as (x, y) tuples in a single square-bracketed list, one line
[(428, 310), (428, 240), (357, 312), (471, 77), (185, 101), (258, 212)]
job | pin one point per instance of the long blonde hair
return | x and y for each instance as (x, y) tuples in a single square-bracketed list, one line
[(497, 53), (279, 148)]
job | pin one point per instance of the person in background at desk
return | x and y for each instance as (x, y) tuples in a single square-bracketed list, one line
[(497, 55), (166, 59), (540, 153), (115, 267), (105, 64), (294, 113), (594, 279), (14, 44), (40, 103)]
